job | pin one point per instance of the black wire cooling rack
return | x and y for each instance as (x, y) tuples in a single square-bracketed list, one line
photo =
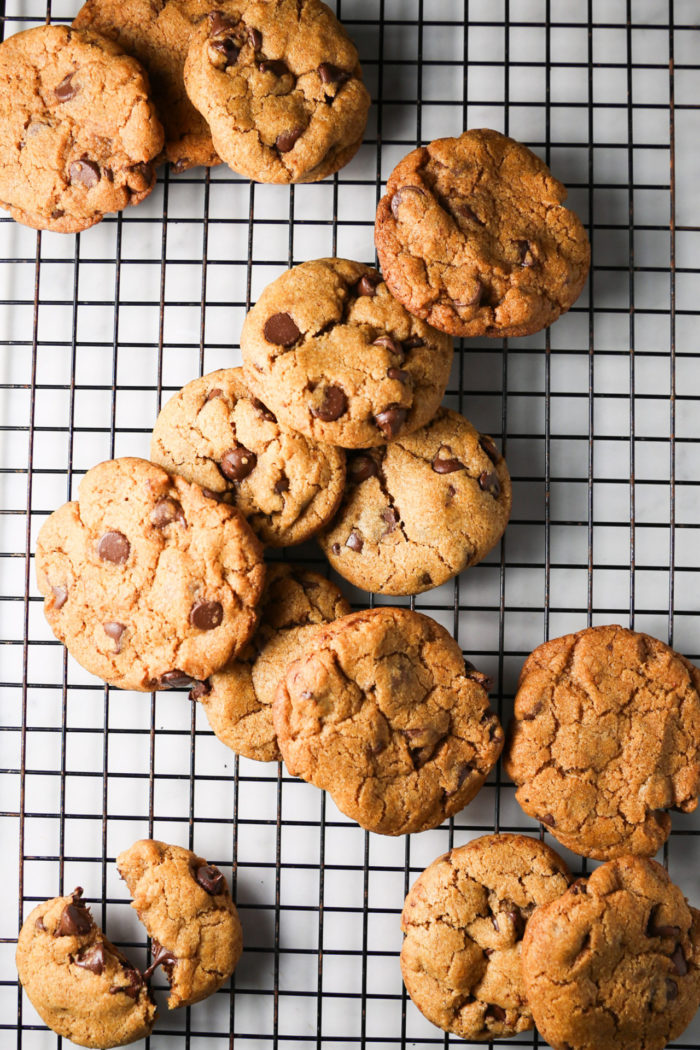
[(598, 417)]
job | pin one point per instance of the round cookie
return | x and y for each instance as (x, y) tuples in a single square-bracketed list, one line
[(418, 511), (279, 83), (464, 919), (238, 703), (381, 711), (606, 737), (186, 907), (79, 130), (148, 583), (337, 358), (215, 433), (158, 34), (472, 235), (614, 963), (82, 987)]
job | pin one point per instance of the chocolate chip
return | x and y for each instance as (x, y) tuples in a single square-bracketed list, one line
[(200, 689), (255, 38), (548, 819), (275, 66), (60, 597), (494, 923), (166, 511), (449, 496), (282, 485), (114, 547), (463, 772), (679, 961), (176, 679), (211, 495), (489, 447), (281, 330), (92, 959), (355, 542), (237, 463), (367, 284), (227, 49), (362, 467), (426, 579), (488, 481), (400, 374), (210, 879), (671, 989), (57, 213), (331, 74), (497, 1012), (286, 139), (39, 925), (475, 297), (446, 464), (75, 920), (206, 615), (115, 631), (336, 548), (333, 405), (525, 253), (141, 177), (412, 342), (579, 887), (484, 680), (399, 195), (655, 929), (133, 988), (85, 172), (161, 957), (517, 921), (468, 213), (219, 23), (391, 517), (66, 90), (392, 345), (391, 420), (263, 410)]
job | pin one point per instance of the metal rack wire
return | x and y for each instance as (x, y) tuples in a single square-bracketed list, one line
[(597, 417)]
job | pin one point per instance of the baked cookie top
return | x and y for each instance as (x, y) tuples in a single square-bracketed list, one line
[(216, 433), (82, 987), (418, 511), (464, 919), (473, 236), (279, 83), (148, 583), (606, 737), (238, 699), (337, 358), (158, 34), (79, 130), (186, 907), (614, 963), (380, 710)]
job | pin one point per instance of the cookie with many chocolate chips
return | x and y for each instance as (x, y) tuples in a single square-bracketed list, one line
[(148, 583), (158, 34), (380, 710), (238, 699), (421, 509), (216, 433), (79, 130), (185, 905), (473, 236), (614, 963), (606, 738), (337, 358), (279, 83), (82, 987), (464, 919)]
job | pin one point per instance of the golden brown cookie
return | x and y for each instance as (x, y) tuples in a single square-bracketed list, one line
[(337, 358), (606, 738), (473, 236), (186, 907), (216, 433), (148, 583), (464, 920), (614, 963), (279, 83), (79, 131), (419, 510), (82, 987), (380, 710), (238, 699)]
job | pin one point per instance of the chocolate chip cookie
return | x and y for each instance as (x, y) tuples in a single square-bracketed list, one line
[(473, 236), (186, 907), (216, 433), (82, 987), (380, 710), (158, 34), (280, 86), (337, 358), (606, 738), (420, 510), (614, 963), (238, 700), (79, 130), (464, 920), (148, 583)]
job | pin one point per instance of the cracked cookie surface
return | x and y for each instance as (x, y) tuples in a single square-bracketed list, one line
[(472, 235), (238, 703), (606, 737), (158, 34), (148, 583), (186, 907), (81, 985), (215, 433), (464, 919), (421, 509), (280, 86), (79, 130), (337, 358), (614, 963), (381, 711)]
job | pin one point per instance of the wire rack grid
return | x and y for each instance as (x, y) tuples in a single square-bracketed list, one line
[(598, 418)]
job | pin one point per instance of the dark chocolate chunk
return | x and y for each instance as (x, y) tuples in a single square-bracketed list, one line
[(391, 420), (114, 547), (488, 481), (655, 929), (275, 66), (115, 631), (219, 23), (336, 548), (489, 447), (331, 74), (333, 405), (362, 467), (399, 196), (467, 213), (141, 176), (475, 297), (355, 542), (237, 463), (263, 409), (579, 887), (392, 345), (680, 963), (525, 254), (134, 986), (66, 90), (161, 957), (60, 597), (391, 517), (75, 920), (166, 511), (548, 819), (367, 284), (446, 464), (206, 615), (176, 679), (286, 139), (400, 374), (255, 38), (226, 49), (282, 485), (86, 172), (39, 925), (200, 689), (92, 959), (281, 330), (412, 342), (497, 1012), (210, 879)]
